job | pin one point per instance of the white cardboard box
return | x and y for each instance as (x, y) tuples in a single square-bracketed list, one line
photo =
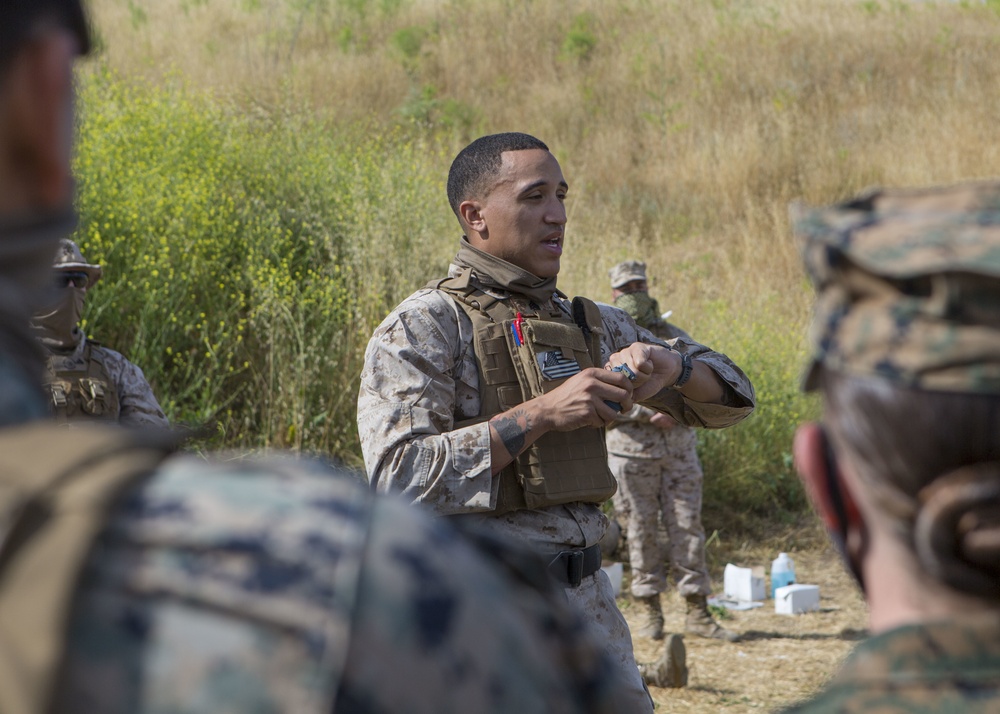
[(614, 573), (793, 599), (743, 584)]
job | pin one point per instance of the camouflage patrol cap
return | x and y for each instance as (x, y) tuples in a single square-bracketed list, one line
[(908, 286), (68, 257), (627, 272)]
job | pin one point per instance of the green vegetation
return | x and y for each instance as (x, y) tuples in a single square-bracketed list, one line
[(248, 260), (264, 179)]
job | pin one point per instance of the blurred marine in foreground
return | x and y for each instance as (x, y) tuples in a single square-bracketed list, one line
[(905, 466), (135, 581)]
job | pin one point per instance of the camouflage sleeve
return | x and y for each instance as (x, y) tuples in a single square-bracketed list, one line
[(738, 402), (406, 408), (269, 586), (638, 413), (139, 407)]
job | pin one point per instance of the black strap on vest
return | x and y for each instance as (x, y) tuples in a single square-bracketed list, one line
[(570, 567)]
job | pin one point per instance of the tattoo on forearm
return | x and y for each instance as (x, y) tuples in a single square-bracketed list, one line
[(512, 431)]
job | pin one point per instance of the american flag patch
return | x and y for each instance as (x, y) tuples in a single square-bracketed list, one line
[(555, 366)]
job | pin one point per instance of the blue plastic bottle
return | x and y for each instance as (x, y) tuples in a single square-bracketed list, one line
[(782, 572)]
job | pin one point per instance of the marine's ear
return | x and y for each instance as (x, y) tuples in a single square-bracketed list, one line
[(831, 495), (471, 213), (820, 475), (36, 123)]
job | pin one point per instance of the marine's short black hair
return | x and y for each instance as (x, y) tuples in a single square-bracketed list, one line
[(20, 18), (478, 163)]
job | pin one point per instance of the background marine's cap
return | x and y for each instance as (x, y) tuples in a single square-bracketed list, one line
[(627, 272), (69, 257), (908, 286)]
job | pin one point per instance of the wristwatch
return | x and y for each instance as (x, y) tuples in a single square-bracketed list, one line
[(686, 369)]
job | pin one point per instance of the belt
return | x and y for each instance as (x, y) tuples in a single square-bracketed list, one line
[(570, 567)]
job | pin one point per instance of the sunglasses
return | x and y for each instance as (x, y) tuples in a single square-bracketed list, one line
[(64, 278)]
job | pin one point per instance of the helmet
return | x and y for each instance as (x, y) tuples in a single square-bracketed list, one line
[(69, 258)]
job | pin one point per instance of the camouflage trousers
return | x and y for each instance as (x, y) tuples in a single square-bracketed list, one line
[(595, 599), (667, 488)]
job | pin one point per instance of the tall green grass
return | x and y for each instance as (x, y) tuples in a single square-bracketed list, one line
[(263, 179), (247, 259)]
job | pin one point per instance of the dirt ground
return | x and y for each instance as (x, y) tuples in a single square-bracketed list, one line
[(781, 658)]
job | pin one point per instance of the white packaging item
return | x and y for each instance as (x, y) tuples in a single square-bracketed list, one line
[(743, 584), (614, 573), (794, 599)]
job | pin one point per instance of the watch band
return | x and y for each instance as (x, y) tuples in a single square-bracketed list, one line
[(686, 369)]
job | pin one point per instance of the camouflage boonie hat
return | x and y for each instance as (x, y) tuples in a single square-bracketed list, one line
[(627, 272), (68, 257), (908, 286)]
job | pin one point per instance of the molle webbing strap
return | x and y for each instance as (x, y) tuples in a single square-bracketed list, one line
[(72, 389), (587, 315), (57, 485), (99, 377)]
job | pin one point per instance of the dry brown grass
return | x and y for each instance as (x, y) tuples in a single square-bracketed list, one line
[(685, 129)]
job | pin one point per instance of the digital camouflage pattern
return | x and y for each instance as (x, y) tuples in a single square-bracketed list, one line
[(627, 271), (282, 586), (906, 286), (659, 477), (668, 487), (938, 668), (420, 377), (138, 406)]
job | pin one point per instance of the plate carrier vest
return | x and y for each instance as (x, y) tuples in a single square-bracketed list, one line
[(88, 393), (562, 466)]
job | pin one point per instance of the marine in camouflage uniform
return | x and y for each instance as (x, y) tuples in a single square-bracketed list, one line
[(938, 668), (277, 586), (905, 468), (243, 586), (655, 461), (87, 380), (423, 435)]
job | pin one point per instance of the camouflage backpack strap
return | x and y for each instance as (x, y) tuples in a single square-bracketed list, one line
[(57, 485)]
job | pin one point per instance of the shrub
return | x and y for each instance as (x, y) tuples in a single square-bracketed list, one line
[(240, 256)]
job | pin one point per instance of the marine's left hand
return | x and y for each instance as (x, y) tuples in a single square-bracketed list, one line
[(655, 367)]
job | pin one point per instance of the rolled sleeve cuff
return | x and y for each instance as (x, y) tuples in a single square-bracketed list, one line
[(475, 485)]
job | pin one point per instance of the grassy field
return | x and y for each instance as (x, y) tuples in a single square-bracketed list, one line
[(781, 659), (263, 180)]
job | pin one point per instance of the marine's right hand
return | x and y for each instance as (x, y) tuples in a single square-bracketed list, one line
[(582, 400)]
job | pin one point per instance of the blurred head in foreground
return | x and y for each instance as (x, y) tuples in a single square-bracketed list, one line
[(905, 467)]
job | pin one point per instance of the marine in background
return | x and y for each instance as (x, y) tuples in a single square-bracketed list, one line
[(904, 465), (655, 460), (485, 394), (85, 379)]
